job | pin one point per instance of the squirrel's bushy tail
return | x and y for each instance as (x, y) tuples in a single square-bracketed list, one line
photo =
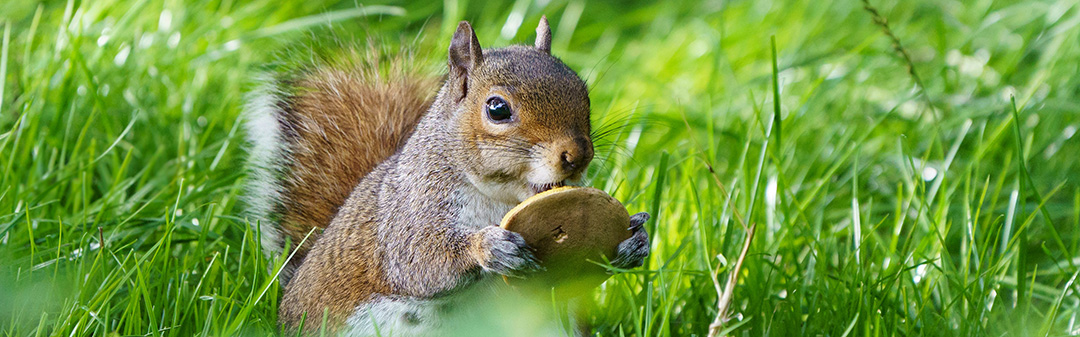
[(316, 131)]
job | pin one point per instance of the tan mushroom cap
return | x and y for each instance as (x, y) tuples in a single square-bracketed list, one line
[(568, 227)]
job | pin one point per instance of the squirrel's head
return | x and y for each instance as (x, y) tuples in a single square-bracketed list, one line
[(522, 116)]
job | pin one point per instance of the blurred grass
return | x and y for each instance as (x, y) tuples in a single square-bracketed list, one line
[(880, 211)]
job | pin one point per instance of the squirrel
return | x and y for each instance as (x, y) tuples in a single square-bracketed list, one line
[(388, 199)]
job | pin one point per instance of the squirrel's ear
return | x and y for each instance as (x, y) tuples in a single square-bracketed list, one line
[(543, 35), (465, 52), (465, 56)]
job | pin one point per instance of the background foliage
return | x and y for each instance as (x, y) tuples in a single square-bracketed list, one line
[(896, 186)]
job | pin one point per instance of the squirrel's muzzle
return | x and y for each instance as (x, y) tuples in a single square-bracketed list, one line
[(575, 155)]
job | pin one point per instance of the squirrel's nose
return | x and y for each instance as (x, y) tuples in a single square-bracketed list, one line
[(569, 162), (576, 155)]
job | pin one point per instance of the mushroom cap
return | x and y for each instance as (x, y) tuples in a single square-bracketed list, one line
[(571, 229)]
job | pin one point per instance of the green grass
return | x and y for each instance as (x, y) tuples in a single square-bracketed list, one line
[(896, 189)]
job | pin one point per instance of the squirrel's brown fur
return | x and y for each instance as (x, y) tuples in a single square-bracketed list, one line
[(421, 220), (338, 122), (337, 116)]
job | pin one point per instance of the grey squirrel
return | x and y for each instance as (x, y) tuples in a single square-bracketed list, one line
[(408, 189)]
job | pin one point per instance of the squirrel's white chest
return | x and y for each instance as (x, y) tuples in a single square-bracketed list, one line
[(478, 210)]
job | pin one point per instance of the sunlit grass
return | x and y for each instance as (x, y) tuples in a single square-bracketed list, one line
[(883, 206)]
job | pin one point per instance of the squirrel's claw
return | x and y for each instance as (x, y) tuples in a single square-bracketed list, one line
[(504, 252), (633, 251)]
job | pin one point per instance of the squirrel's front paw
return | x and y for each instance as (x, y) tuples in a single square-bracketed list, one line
[(503, 252), (632, 251)]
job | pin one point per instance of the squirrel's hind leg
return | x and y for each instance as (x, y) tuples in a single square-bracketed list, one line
[(393, 316)]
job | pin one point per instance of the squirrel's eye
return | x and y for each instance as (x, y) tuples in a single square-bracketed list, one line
[(498, 110)]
